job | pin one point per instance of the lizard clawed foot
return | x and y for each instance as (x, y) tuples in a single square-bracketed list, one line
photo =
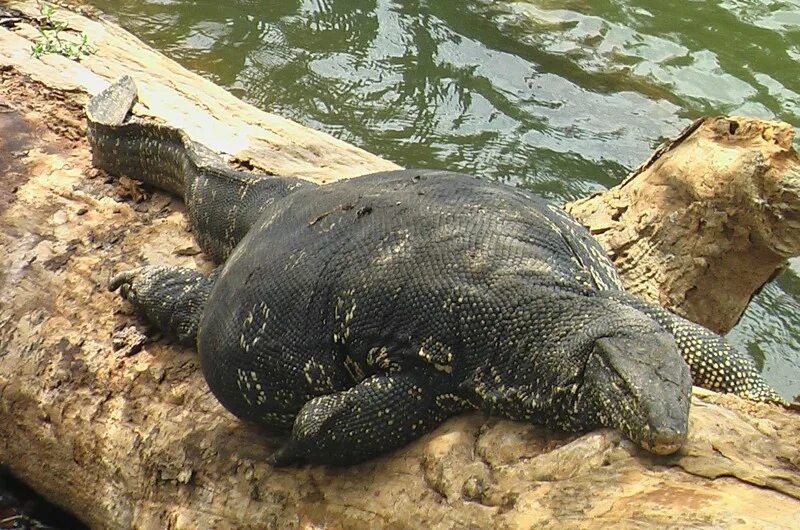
[(141, 285), (172, 298), (124, 282)]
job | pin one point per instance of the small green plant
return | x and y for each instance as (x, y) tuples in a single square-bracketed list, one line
[(51, 39)]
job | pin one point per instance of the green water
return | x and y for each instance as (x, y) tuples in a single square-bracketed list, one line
[(562, 97)]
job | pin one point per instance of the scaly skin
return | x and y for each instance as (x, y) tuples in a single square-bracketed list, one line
[(361, 314)]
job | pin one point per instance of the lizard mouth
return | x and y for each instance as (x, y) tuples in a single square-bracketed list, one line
[(664, 443), (666, 449)]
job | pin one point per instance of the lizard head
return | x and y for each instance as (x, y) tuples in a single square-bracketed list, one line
[(639, 384)]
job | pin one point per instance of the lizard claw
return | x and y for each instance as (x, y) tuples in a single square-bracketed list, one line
[(284, 456), (123, 281)]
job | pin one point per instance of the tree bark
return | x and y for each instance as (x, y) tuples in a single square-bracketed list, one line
[(121, 430)]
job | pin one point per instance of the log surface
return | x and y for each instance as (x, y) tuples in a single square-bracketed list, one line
[(121, 430)]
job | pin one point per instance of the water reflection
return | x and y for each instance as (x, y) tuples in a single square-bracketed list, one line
[(563, 97), (711, 55)]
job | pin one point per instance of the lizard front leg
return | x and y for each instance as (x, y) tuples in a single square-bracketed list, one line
[(381, 413)]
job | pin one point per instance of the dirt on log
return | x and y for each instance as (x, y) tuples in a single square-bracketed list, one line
[(120, 429)]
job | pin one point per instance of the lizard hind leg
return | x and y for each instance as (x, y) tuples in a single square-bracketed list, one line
[(172, 298), (381, 413)]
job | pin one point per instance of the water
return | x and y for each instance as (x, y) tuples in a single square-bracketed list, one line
[(562, 97)]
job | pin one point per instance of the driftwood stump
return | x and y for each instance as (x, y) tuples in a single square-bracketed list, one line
[(706, 221), (121, 430)]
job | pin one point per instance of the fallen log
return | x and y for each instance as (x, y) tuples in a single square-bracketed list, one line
[(120, 429)]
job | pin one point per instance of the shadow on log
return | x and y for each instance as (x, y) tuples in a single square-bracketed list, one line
[(121, 430)]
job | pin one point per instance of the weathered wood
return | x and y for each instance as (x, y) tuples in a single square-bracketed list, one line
[(125, 434)]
